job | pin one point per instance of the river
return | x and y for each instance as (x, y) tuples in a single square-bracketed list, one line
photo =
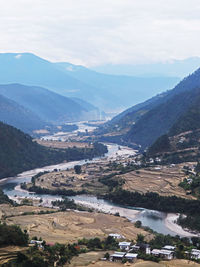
[(156, 220)]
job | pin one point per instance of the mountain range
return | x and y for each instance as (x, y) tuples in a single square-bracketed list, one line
[(107, 92), (172, 112), (179, 68)]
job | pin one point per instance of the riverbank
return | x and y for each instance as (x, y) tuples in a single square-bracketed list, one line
[(171, 224)]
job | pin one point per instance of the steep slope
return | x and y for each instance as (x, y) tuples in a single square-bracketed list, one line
[(18, 152), (18, 116), (160, 119), (47, 105), (123, 122), (182, 142)]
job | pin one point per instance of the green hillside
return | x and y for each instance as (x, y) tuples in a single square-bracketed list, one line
[(18, 152)]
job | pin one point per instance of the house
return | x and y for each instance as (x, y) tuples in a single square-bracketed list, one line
[(168, 247), (131, 257), (117, 256), (141, 247), (163, 253), (124, 245), (38, 243), (195, 254), (135, 248), (116, 236)]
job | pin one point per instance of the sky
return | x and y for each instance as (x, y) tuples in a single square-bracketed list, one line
[(97, 32)]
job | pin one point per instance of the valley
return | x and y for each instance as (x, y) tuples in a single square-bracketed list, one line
[(82, 178)]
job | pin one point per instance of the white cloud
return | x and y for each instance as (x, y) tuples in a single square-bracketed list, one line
[(94, 32)]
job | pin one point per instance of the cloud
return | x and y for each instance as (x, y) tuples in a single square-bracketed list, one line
[(92, 32)]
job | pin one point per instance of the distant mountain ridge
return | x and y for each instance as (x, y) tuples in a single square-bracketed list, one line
[(16, 115), (179, 68), (47, 105), (124, 90), (107, 92)]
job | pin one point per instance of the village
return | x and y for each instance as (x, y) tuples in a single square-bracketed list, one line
[(129, 251)]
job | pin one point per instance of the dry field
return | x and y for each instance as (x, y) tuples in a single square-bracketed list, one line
[(57, 144), (140, 263), (68, 179), (8, 210), (9, 253), (161, 179), (87, 258), (70, 226)]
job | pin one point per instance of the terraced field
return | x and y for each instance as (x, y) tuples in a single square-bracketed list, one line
[(70, 226), (160, 179)]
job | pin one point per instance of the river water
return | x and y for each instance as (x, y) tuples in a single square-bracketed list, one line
[(151, 218)]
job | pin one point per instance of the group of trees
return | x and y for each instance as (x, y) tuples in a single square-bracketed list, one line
[(4, 198), (12, 235), (162, 203)]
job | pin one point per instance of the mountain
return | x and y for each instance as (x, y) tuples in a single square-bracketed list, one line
[(94, 111), (49, 106), (148, 121), (124, 90), (182, 142), (16, 115), (18, 152), (178, 68), (28, 69), (107, 92), (161, 118)]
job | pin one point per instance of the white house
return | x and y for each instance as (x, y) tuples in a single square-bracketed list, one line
[(195, 254), (168, 247), (124, 245), (163, 253), (131, 257), (37, 242), (117, 256)]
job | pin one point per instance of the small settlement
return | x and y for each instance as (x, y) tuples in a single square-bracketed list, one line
[(129, 252)]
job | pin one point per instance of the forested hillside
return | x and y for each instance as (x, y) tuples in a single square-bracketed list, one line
[(144, 123), (18, 152)]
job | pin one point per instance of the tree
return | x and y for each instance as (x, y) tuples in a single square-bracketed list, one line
[(77, 169), (140, 238), (138, 224)]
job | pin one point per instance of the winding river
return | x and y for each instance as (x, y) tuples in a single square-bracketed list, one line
[(156, 220)]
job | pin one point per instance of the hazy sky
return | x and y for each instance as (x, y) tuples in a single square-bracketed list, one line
[(93, 32)]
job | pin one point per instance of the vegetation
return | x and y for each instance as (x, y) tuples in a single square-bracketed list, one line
[(162, 203), (77, 169), (4, 198), (57, 191), (69, 204), (18, 152), (12, 235), (60, 254)]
